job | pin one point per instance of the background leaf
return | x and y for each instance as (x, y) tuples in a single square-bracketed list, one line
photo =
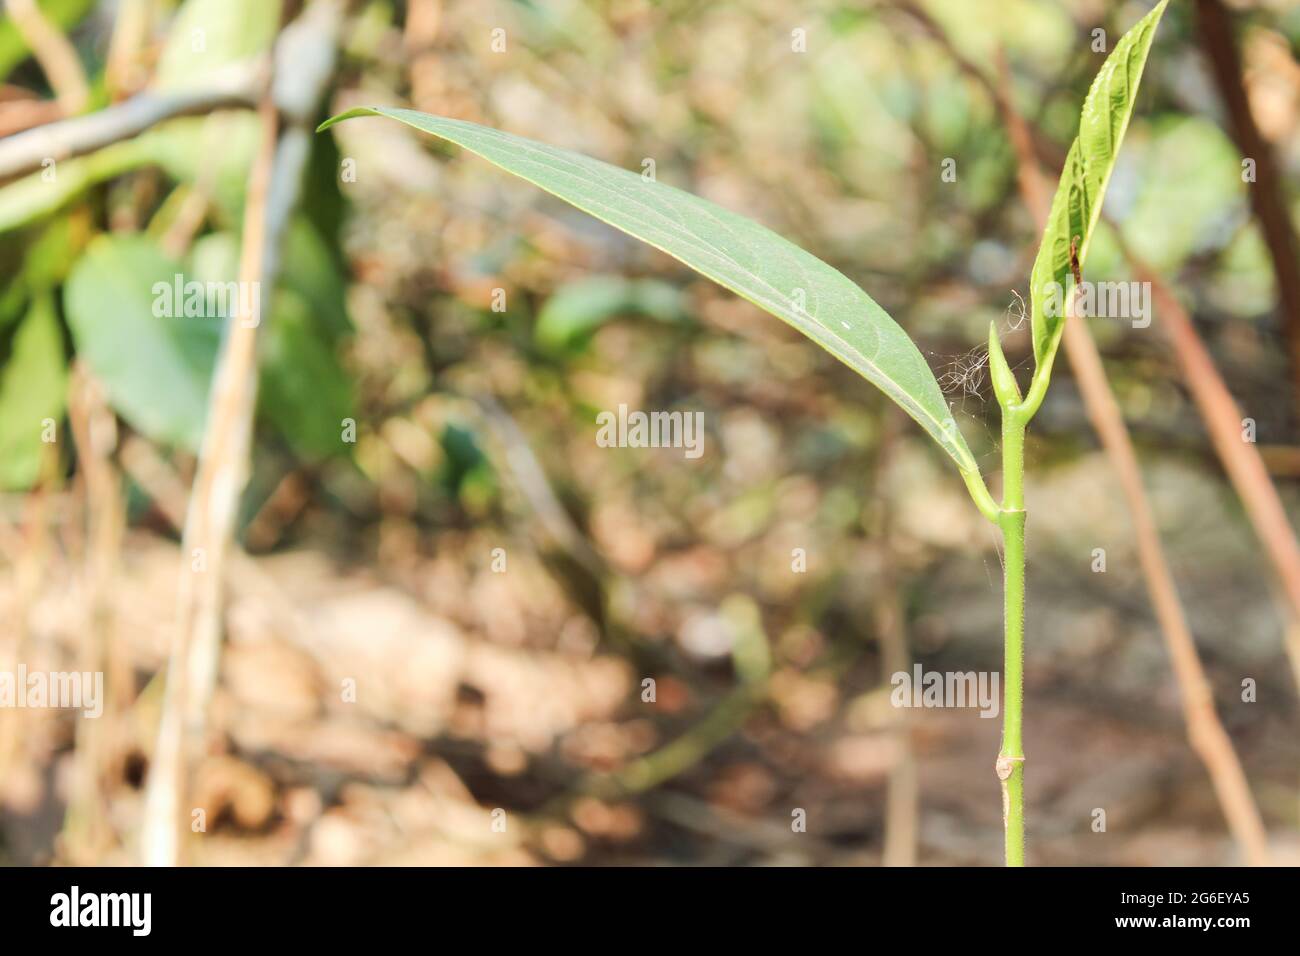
[(304, 392), (577, 309), (210, 34), (156, 370), (32, 388), (740, 255), (1088, 166)]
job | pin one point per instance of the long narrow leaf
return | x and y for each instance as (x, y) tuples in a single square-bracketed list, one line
[(749, 259), (1088, 166)]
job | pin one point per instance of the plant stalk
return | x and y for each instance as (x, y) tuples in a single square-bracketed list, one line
[(1010, 765)]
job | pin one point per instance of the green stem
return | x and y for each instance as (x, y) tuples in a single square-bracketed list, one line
[(1011, 759), (979, 493)]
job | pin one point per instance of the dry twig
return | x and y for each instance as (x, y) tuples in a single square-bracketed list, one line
[(57, 57), (24, 152), (304, 61)]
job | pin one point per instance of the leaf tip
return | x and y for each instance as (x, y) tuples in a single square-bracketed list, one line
[(347, 115)]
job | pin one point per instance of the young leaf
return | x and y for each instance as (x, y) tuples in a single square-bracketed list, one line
[(1088, 166), (1004, 381), (738, 254)]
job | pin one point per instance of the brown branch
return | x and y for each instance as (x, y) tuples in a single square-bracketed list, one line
[(124, 72), (24, 152), (530, 477), (19, 112), (88, 831), (1043, 149), (1267, 194), (1241, 460), (31, 565), (209, 526), (1205, 731)]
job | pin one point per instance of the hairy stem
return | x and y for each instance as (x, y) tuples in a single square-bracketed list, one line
[(1011, 520)]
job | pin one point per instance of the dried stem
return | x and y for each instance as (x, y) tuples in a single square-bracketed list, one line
[(88, 831), (1241, 460), (1268, 192), (209, 527), (1205, 731), (124, 71), (31, 564), (304, 63), (57, 57)]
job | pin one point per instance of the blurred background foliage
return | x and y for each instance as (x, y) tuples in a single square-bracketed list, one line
[(474, 430)]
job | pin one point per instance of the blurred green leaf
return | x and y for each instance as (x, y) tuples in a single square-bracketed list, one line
[(310, 269), (28, 199), (305, 391), (1193, 197), (207, 35), (576, 310), (42, 261), (215, 257), (50, 255), (33, 387), (740, 255), (216, 150), (155, 368), (466, 472)]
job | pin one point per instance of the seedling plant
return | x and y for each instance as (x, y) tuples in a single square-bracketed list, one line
[(823, 304)]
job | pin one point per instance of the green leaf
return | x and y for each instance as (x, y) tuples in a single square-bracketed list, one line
[(155, 369), (305, 392), (155, 348), (738, 254), (207, 35), (1193, 188), (575, 310), (39, 194), (1088, 166), (311, 270), (32, 388)]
